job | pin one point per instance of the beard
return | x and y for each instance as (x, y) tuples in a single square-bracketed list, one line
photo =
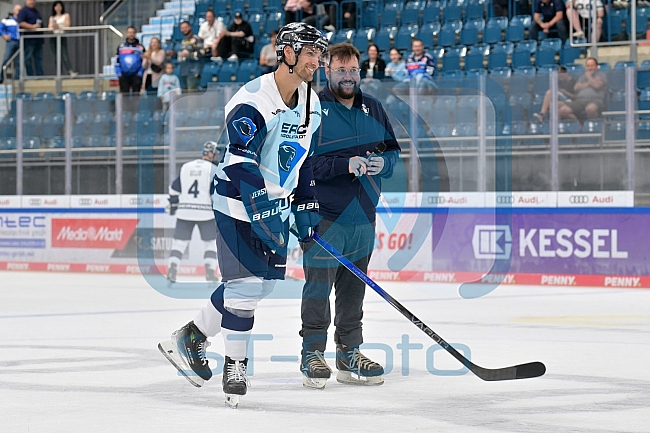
[(345, 93)]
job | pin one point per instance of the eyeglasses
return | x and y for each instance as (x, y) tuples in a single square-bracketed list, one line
[(342, 72)]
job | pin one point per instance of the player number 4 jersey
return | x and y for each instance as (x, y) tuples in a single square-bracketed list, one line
[(263, 131), (193, 189)]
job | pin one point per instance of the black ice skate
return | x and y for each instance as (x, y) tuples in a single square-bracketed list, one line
[(235, 382), (355, 368), (186, 352), (171, 272), (315, 370), (209, 275)]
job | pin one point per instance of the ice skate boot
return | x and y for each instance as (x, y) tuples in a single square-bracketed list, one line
[(315, 370), (235, 382), (186, 352), (209, 275), (355, 368), (171, 272)]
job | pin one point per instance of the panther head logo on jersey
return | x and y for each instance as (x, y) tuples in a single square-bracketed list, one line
[(245, 128), (286, 154)]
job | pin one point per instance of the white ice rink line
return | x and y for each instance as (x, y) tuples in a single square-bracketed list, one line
[(79, 354)]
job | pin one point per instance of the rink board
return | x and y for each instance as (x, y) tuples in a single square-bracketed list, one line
[(572, 239)]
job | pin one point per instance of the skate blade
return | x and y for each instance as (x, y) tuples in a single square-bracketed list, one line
[(232, 400), (169, 350), (314, 382), (350, 379)]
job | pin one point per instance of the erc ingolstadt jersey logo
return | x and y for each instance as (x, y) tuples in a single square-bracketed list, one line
[(245, 128)]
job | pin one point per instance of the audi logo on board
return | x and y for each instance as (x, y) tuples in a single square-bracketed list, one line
[(85, 201), (35, 201), (505, 199), (578, 199)]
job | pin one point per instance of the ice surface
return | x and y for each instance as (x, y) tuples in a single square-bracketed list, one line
[(79, 354)]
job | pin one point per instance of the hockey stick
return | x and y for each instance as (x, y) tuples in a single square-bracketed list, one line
[(521, 371)]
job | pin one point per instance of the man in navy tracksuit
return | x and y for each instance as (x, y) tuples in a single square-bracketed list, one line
[(129, 68), (355, 150)]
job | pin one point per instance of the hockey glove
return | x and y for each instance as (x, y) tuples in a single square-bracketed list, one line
[(307, 220), (173, 204), (267, 227), (376, 164), (357, 165)]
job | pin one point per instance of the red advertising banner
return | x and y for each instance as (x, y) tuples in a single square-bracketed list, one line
[(92, 232)]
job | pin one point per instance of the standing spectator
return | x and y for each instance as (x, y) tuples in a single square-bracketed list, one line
[(152, 62), (579, 12), (237, 40), (591, 91), (191, 50), (59, 20), (292, 7), (549, 15), (167, 84), (29, 18), (396, 69), (268, 56), (420, 64), (211, 31), (374, 66), (356, 148), (129, 68), (9, 32)]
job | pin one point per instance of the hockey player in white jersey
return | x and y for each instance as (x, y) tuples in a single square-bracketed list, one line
[(264, 175), (189, 200)]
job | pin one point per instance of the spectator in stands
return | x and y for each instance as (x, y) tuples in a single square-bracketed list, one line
[(326, 16), (238, 40), (211, 31), (57, 22), (191, 51), (549, 15), (396, 69), (29, 18), (591, 91), (167, 84), (374, 66), (566, 84), (152, 62), (292, 7), (9, 32), (129, 68), (420, 64), (579, 12), (269, 56)]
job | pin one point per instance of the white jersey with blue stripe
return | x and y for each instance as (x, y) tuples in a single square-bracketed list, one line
[(267, 145)]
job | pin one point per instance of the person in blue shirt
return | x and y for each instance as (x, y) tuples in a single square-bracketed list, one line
[(356, 149), (420, 64), (129, 68), (549, 15), (396, 69), (9, 32), (29, 18)]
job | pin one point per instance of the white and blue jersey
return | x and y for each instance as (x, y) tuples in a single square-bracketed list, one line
[(268, 146), (9, 26)]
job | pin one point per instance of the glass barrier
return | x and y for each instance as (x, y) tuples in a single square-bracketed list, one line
[(460, 132)]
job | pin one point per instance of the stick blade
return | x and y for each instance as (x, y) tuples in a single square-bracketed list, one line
[(522, 371)]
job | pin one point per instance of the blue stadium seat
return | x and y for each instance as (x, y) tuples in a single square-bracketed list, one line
[(427, 33), (255, 5), (411, 13), (528, 45), (515, 32), (247, 70), (643, 79), (483, 48), (370, 15), (209, 74), (227, 72), (502, 22), (383, 39), (529, 71), (469, 35), (520, 57), (361, 39), (273, 21), (524, 20), (544, 57), (256, 20), (551, 44), (403, 38), (475, 10), (569, 126), (389, 14), (569, 54), (446, 37), (474, 60), (497, 59), (450, 62), (431, 12), (343, 35), (492, 33), (452, 12)]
